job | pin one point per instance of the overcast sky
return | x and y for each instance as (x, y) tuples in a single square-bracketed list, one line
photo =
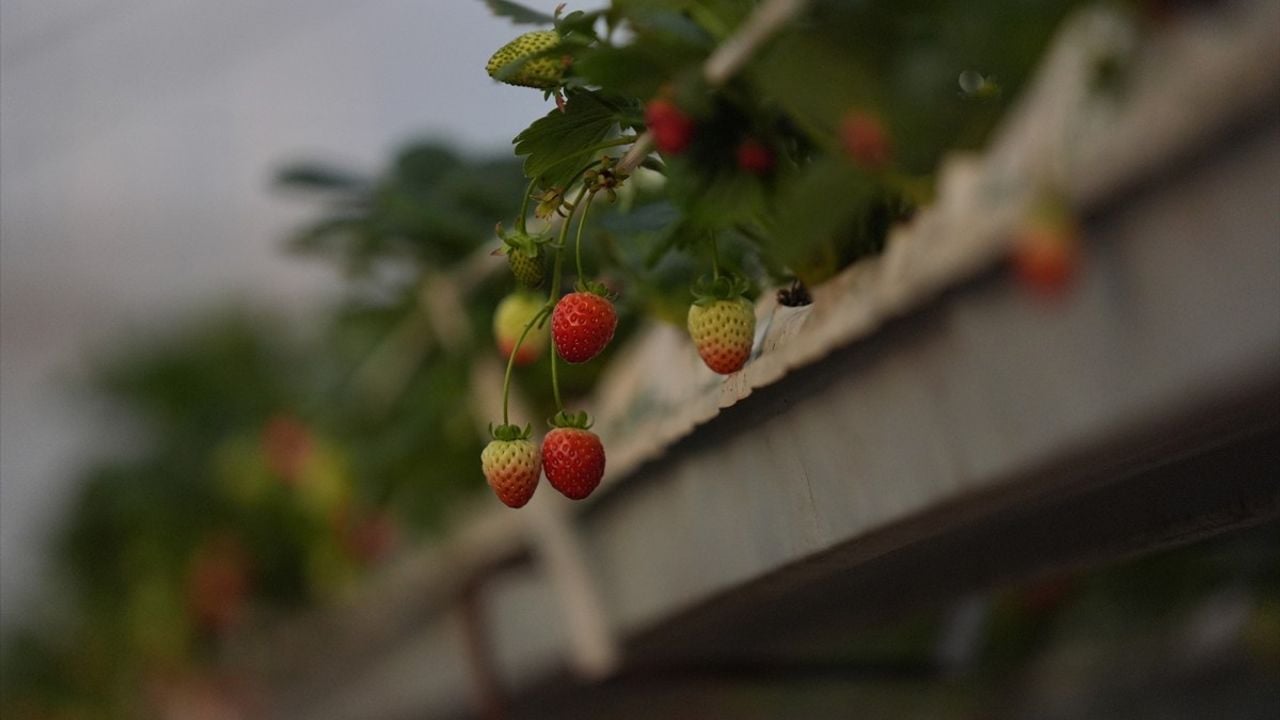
[(136, 141)]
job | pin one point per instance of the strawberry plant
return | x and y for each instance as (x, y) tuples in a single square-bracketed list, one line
[(779, 168)]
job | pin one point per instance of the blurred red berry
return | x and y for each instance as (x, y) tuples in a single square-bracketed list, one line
[(754, 157), (218, 583), (287, 444), (672, 129), (1046, 258), (865, 140), (369, 536)]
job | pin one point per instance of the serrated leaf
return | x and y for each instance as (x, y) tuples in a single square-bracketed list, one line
[(553, 144), (517, 13)]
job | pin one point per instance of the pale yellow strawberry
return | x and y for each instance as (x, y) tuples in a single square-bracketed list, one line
[(723, 330), (509, 320)]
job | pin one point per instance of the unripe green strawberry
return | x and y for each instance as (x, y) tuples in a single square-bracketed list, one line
[(528, 270), (524, 254), (574, 460), (511, 465), (541, 72), (723, 330), (509, 321)]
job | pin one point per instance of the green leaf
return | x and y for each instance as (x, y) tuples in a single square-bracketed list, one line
[(553, 144), (638, 69), (517, 13), (829, 217)]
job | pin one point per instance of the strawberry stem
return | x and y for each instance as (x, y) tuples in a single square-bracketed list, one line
[(555, 287), (715, 259), (577, 176), (555, 381), (524, 206), (577, 243), (511, 360)]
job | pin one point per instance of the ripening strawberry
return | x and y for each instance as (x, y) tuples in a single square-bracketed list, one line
[(541, 72), (865, 140), (511, 465), (672, 129), (1046, 254), (573, 458), (723, 330), (754, 157), (582, 324), (509, 321)]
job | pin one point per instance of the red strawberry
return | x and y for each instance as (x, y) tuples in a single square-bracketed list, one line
[(509, 321), (582, 324), (723, 330), (672, 129), (511, 465), (865, 140), (574, 461), (754, 157)]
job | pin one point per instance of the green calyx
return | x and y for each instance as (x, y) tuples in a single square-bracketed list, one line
[(595, 287), (565, 419), (524, 243), (507, 433), (713, 288)]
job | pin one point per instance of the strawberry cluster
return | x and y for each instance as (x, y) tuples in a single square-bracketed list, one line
[(571, 456), (582, 325)]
